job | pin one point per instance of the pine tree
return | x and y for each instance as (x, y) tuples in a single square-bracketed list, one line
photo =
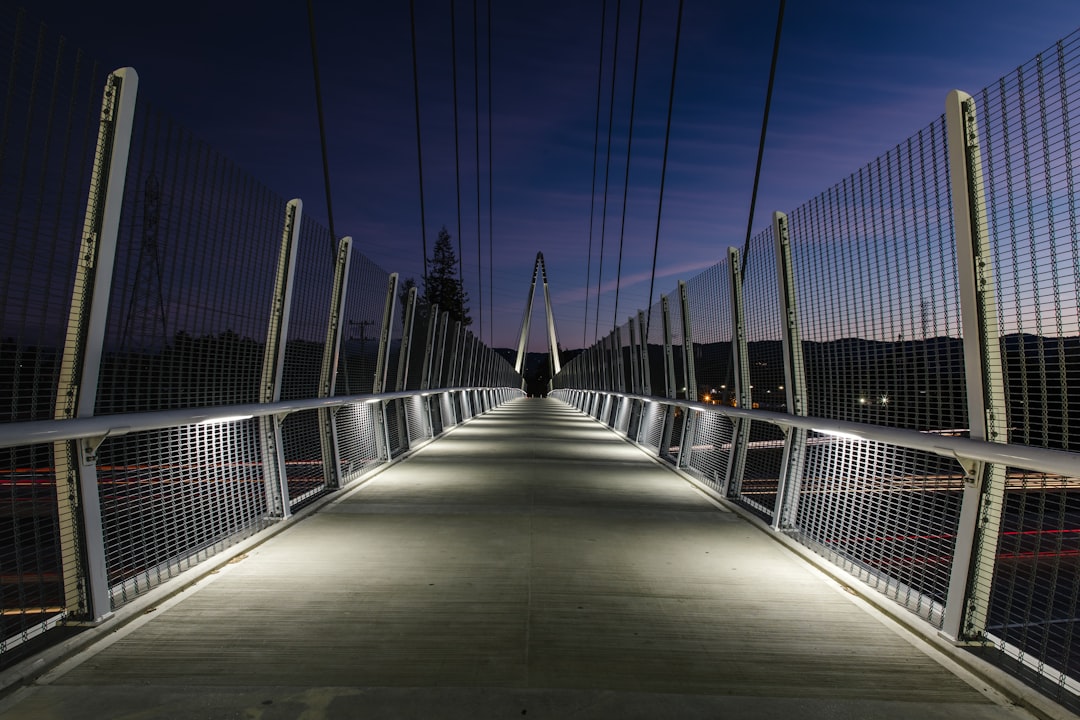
[(442, 285), (403, 295)]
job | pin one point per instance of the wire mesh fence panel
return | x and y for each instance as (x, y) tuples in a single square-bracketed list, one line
[(756, 489), (395, 427), (358, 445), (419, 350), (622, 416), (435, 413), (394, 345), (710, 322), (304, 472), (48, 134), (31, 567), (711, 449), (50, 121), (1032, 215), (360, 326), (316, 255), (1029, 206), (196, 263), (444, 353), (654, 348), (878, 303), (170, 498), (416, 418), (764, 347), (1036, 578), (653, 430), (678, 418), (887, 514), (634, 426)]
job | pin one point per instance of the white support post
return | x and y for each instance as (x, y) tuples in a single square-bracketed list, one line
[(273, 449), (429, 358), (608, 350), (740, 433), (646, 371), (635, 358), (328, 373), (452, 372), (671, 389), (791, 467), (620, 380), (82, 540), (620, 364), (457, 357), (429, 347), (382, 362), (608, 345), (405, 347), (601, 366), (465, 378), (968, 604), (689, 428), (404, 356), (440, 357)]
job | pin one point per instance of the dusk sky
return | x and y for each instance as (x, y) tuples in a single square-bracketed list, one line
[(853, 80)]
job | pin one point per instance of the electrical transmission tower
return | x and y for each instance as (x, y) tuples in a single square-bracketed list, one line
[(146, 306)]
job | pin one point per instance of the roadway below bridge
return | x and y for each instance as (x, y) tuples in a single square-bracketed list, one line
[(529, 564)]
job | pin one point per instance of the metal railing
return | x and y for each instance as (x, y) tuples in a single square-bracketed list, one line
[(881, 502), (147, 275), (889, 373), (176, 486)]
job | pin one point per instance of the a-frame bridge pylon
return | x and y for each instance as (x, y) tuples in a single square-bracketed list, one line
[(553, 342)]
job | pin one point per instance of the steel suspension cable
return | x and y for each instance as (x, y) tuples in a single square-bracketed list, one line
[(457, 150), (607, 169), (322, 127), (596, 152), (761, 141), (476, 85), (326, 166), (663, 169), (491, 221), (629, 144), (419, 154)]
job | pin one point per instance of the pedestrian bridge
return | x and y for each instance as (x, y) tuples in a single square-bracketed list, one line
[(243, 473), (532, 562)]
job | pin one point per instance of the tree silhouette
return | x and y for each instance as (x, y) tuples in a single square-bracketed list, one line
[(403, 295), (442, 286)]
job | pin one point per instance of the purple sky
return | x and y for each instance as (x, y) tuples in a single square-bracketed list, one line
[(854, 79)]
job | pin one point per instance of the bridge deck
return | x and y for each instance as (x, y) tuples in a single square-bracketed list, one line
[(529, 564)]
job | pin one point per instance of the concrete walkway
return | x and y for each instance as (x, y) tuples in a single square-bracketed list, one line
[(531, 564)]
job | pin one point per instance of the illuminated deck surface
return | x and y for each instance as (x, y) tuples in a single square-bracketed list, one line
[(530, 564)]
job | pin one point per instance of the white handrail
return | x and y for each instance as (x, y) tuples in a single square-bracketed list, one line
[(45, 431), (1057, 462)]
